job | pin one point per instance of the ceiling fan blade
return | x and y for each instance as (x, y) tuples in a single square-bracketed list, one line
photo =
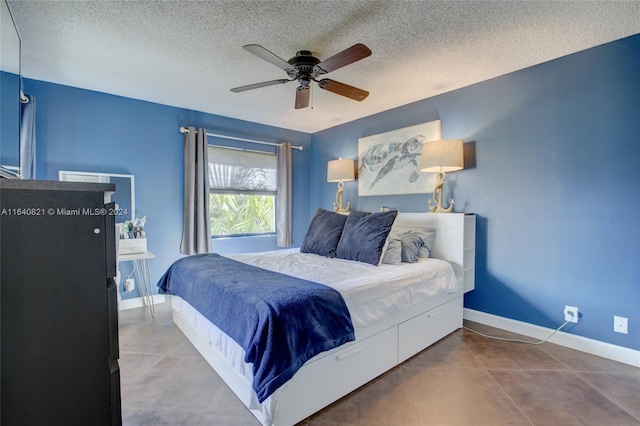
[(346, 57), (302, 97), (259, 85), (270, 57), (343, 89)]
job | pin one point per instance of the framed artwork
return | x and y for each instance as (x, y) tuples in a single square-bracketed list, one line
[(389, 163)]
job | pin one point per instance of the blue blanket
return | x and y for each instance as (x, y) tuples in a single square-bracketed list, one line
[(280, 321)]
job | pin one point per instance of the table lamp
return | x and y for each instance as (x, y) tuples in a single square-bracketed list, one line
[(441, 156), (340, 171)]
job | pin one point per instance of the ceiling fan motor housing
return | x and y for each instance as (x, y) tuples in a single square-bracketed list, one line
[(304, 58), (303, 62)]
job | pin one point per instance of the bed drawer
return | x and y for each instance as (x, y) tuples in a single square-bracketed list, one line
[(343, 370), (425, 329)]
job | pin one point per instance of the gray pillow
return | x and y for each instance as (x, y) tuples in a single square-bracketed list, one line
[(393, 254), (323, 233), (411, 243), (428, 236), (364, 236)]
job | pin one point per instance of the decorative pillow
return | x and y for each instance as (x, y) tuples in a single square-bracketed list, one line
[(411, 243), (365, 235), (428, 237), (323, 233), (393, 254)]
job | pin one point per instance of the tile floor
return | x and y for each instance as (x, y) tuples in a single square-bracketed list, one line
[(462, 380)]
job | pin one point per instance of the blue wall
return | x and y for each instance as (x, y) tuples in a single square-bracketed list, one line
[(90, 131), (553, 174)]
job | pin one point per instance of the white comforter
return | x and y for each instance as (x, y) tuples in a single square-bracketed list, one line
[(370, 292)]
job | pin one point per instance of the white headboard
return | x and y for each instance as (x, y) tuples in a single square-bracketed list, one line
[(455, 240)]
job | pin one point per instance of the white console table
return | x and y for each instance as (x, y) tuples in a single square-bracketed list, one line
[(141, 266)]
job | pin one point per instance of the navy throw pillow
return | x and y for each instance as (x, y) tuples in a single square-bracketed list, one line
[(364, 236), (323, 233)]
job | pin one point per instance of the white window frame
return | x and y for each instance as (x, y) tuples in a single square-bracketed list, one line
[(236, 158)]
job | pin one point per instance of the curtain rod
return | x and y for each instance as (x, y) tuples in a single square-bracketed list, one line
[(216, 135)]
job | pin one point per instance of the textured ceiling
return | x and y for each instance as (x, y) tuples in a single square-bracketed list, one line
[(189, 53)]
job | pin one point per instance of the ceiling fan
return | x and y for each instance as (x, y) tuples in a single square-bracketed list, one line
[(304, 68)]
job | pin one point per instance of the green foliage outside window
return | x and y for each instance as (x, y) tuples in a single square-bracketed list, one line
[(238, 214)]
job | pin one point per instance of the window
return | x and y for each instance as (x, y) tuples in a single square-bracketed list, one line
[(242, 192)]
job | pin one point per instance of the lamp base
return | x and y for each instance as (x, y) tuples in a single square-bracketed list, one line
[(436, 206), (339, 209), (337, 206)]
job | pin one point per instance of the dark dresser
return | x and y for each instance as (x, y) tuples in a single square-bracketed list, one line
[(58, 318)]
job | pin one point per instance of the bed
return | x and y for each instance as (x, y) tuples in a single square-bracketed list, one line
[(396, 311)]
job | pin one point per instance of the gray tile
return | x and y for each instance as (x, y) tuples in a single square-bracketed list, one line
[(460, 397), (450, 352), (178, 383), (384, 401), (134, 364), (226, 403), (500, 354), (622, 388), (560, 397), (163, 417), (220, 420), (159, 338)]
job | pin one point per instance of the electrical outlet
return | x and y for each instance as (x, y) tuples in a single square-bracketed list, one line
[(620, 324), (570, 313), (129, 285)]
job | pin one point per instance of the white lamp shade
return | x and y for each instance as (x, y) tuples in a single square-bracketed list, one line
[(444, 155), (340, 170)]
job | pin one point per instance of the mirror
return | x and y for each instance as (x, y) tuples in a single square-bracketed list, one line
[(9, 94), (124, 197)]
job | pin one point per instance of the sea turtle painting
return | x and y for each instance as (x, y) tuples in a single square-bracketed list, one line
[(389, 162), (389, 157)]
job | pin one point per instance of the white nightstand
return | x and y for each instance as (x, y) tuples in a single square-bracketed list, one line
[(141, 266)]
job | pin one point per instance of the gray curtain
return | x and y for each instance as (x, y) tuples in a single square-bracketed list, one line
[(196, 232), (284, 233), (28, 138)]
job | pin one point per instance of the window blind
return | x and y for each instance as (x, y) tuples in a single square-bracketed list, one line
[(239, 171)]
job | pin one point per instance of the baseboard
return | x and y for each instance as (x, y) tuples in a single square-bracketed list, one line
[(583, 344), (137, 302)]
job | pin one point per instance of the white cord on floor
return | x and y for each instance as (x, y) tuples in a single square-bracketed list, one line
[(518, 340)]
